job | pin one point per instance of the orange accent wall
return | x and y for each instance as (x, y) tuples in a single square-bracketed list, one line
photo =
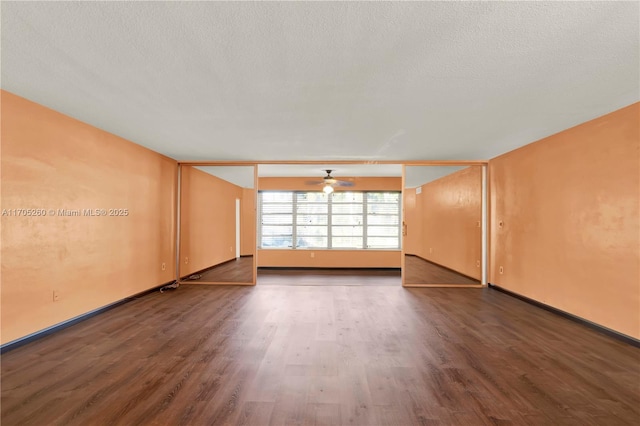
[(569, 211), (329, 258), (412, 222), (444, 226), (248, 225), (207, 220), (51, 161)]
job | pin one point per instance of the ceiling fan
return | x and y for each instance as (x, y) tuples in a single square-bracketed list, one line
[(329, 182)]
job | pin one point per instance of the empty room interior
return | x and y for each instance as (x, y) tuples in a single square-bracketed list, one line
[(320, 213)]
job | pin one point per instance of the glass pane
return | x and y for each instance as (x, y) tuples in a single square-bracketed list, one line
[(347, 242), (346, 230), (382, 220), (382, 231), (312, 208), (312, 242), (312, 219), (383, 197), (312, 230), (382, 209), (277, 219), (347, 208), (277, 230), (311, 197), (277, 241), (347, 197), (346, 219), (276, 197), (276, 208), (383, 242)]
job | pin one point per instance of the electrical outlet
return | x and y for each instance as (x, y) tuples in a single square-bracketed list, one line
[(313, 255), (430, 250), (501, 270), (164, 266), (230, 248), (186, 260), (478, 263), (56, 295)]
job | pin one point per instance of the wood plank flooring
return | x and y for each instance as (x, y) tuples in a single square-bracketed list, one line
[(322, 355), (238, 270), (329, 277), (420, 271)]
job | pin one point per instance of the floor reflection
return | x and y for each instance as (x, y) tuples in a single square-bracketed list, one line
[(238, 270), (420, 271)]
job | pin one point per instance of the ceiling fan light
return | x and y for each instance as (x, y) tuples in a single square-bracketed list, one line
[(328, 189)]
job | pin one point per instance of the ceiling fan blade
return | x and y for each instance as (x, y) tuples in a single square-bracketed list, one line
[(314, 182), (344, 183)]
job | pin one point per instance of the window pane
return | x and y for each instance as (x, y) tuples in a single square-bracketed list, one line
[(312, 220), (277, 219), (277, 241), (347, 197), (312, 230), (312, 242), (276, 208), (312, 208), (383, 242), (383, 197), (383, 220), (277, 230), (346, 231), (346, 242), (382, 231), (347, 208), (276, 197), (346, 219), (311, 197), (382, 208)]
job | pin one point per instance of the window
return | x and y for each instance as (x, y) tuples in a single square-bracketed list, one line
[(341, 220)]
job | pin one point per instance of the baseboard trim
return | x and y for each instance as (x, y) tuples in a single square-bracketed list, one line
[(72, 321), (597, 327)]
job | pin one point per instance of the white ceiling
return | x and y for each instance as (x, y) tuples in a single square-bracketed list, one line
[(238, 175), (325, 80), (415, 175), (319, 170)]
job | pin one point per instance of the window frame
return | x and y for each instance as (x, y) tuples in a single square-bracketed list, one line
[(365, 212)]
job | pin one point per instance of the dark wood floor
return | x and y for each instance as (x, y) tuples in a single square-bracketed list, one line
[(417, 271), (329, 277), (312, 355), (239, 270), (420, 271)]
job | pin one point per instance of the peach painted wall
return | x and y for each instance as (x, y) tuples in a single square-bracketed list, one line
[(412, 241), (51, 161), (449, 211), (248, 226), (207, 220), (330, 258), (569, 211)]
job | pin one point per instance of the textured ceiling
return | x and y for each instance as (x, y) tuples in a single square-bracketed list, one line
[(415, 175), (325, 80)]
